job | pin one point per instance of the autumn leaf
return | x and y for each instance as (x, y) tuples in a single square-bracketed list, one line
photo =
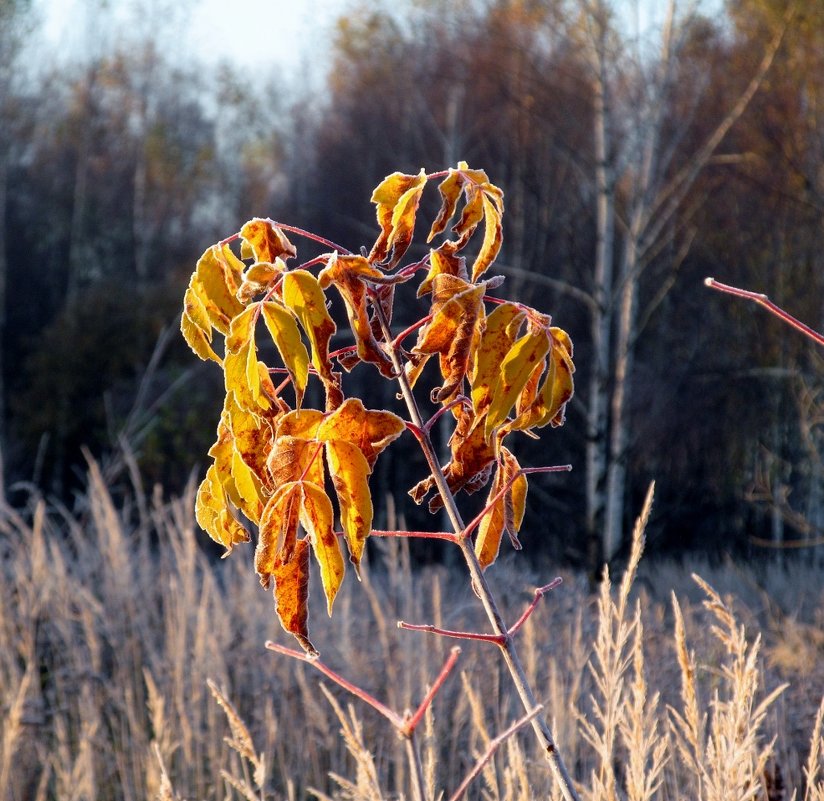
[(210, 300), (451, 330), (443, 261), (213, 515), (515, 370), (242, 373), (283, 328), (350, 274), (278, 530), (371, 430), (260, 278), (397, 198), (303, 295), (483, 201), (350, 477), (264, 241), (500, 331), (237, 479), (251, 437), (317, 518), (506, 513), (548, 405), (295, 459), (291, 595), (471, 463)]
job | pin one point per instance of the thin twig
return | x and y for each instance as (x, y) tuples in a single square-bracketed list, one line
[(763, 300), (412, 722), (393, 717), (493, 746), (540, 592), (498, 639)]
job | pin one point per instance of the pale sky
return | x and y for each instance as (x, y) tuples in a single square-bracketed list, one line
[(248, 33)]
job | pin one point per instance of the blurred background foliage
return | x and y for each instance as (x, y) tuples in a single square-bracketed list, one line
[(117, 169)]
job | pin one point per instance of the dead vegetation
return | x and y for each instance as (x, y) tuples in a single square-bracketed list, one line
[(133, 667)]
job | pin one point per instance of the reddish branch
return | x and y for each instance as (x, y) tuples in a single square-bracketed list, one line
[(763, 300)]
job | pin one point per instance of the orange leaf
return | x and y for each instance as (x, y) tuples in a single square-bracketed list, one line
[(277, 537), (499, 335), (350, 476), (292, 595), (259, 278), (515, 370), (397, 198), (450, 189), (349, 274), (317, 518), (263, 241), (295, 459), (371, 430), (450, 333), (505, 513), (493, 238), (443, 261)]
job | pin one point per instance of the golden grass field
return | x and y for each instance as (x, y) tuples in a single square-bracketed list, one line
[(112, 619)]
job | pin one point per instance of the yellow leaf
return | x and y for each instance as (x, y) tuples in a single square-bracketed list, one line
[(259, 278), (247, 488), (292, 595), (516, 497), (284, 330), (242, 328), (397, 198), (515, 370), (493, 238), (216, 281), (213, 515), (371, 430), (198, 339), (502, 326), (301, 423), (252, 438), (491, 527), (443, 261), (195, 309), (317, 518), (450, 189), (303, 295), (264, 241), (350, 476), (277, 536)]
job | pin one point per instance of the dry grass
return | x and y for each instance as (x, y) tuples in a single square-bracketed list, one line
[(112, 621)]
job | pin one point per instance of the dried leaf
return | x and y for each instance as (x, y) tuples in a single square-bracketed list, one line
[(278, 530), (296, 459), (515, 370), (284, 330), (350, 476), (292, 595), (263, 241), (371, 430), (317, 518), (444, 261), (213, 515), (349, 274), (397, 198), (493, 238)]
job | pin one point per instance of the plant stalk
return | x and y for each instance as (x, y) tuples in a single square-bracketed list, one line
[(479, 583)]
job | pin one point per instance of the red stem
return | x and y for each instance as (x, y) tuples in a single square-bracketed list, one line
[(412, 328), (435, 417), (293, 229), (763, 300), (412, 722), (396, 720), (498, 639), (540, 592)]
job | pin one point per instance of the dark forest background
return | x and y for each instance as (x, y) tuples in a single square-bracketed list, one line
[(118, 169)]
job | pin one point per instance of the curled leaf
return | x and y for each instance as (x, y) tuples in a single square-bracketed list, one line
[(213, 515), (292, 595), (317, 518), (277, 536), (284, 331), (264, 241), (397, 198)]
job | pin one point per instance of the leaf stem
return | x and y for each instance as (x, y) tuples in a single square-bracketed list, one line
[(497, 639), (412, 722), (293, 229), (763, 300)]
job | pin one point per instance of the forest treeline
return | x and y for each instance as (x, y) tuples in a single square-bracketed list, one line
[(633, 164)]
